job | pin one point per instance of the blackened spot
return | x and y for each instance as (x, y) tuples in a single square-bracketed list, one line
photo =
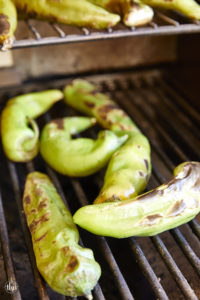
[(33, 226), (4, 24), (197, 183), (94, 92), (151, 220), (72, 264), (177, 208), (146, 164), (189, 172), (134, 5), (65, 250), (27, 199), (42, 204), (41, 237), (141, 173), (107, 108), (33, 210), (89, 104), (59, 123), (38, 192)]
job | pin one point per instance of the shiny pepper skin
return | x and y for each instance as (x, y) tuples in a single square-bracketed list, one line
[(19, 131), (68, 268), (77, 157), (76, 12), (129, 169), (169, 205)]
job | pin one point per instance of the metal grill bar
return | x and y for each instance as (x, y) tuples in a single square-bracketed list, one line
[(147, 270), (6, 251), (60, 32), (33, 30), (167, 19), (175, 271), (152, 28), (195, 227), (186, 106), (194, 260)]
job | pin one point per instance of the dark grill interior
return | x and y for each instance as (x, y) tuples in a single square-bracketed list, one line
[(161, 267)]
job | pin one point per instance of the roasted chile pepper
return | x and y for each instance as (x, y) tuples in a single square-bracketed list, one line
[(8, 23), (133, 13), (130, 167), (189, 8), (19, 132), (77, 157), (168, 206), (76, 12), (67, 268)]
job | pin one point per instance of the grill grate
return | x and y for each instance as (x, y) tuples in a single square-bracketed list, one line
[(159, 267), (162, 24)]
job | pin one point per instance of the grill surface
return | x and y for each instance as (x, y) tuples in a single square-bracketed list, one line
[(161, 267), (162, 24)]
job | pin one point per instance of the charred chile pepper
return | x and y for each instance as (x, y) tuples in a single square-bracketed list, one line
[(76, 12), (19, 132), (168, 206), (130, 167), (189, 8), (8, 23), (133, 13), (68, 268), (77, 157)]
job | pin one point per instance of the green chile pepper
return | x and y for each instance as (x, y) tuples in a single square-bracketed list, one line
[(76, 12), (67, 268), (77, 157), (20, 142), (130, 167), (189, 8), (8, 23), (133, 13), (168, 206)]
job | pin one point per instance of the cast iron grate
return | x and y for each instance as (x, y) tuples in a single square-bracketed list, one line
[(162, 24), (161, 267)]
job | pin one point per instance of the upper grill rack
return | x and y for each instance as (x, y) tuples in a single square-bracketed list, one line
[(162, 24), (162, 267)]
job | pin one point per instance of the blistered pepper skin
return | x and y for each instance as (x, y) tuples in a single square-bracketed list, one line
[(77, 157), (168, 206), (133, 13), (20, 142), (8, 23), (189, 8), (67, 268), (130, 167), (76, 12)]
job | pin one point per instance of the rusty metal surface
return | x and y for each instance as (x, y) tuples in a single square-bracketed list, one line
[(162, 267)]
